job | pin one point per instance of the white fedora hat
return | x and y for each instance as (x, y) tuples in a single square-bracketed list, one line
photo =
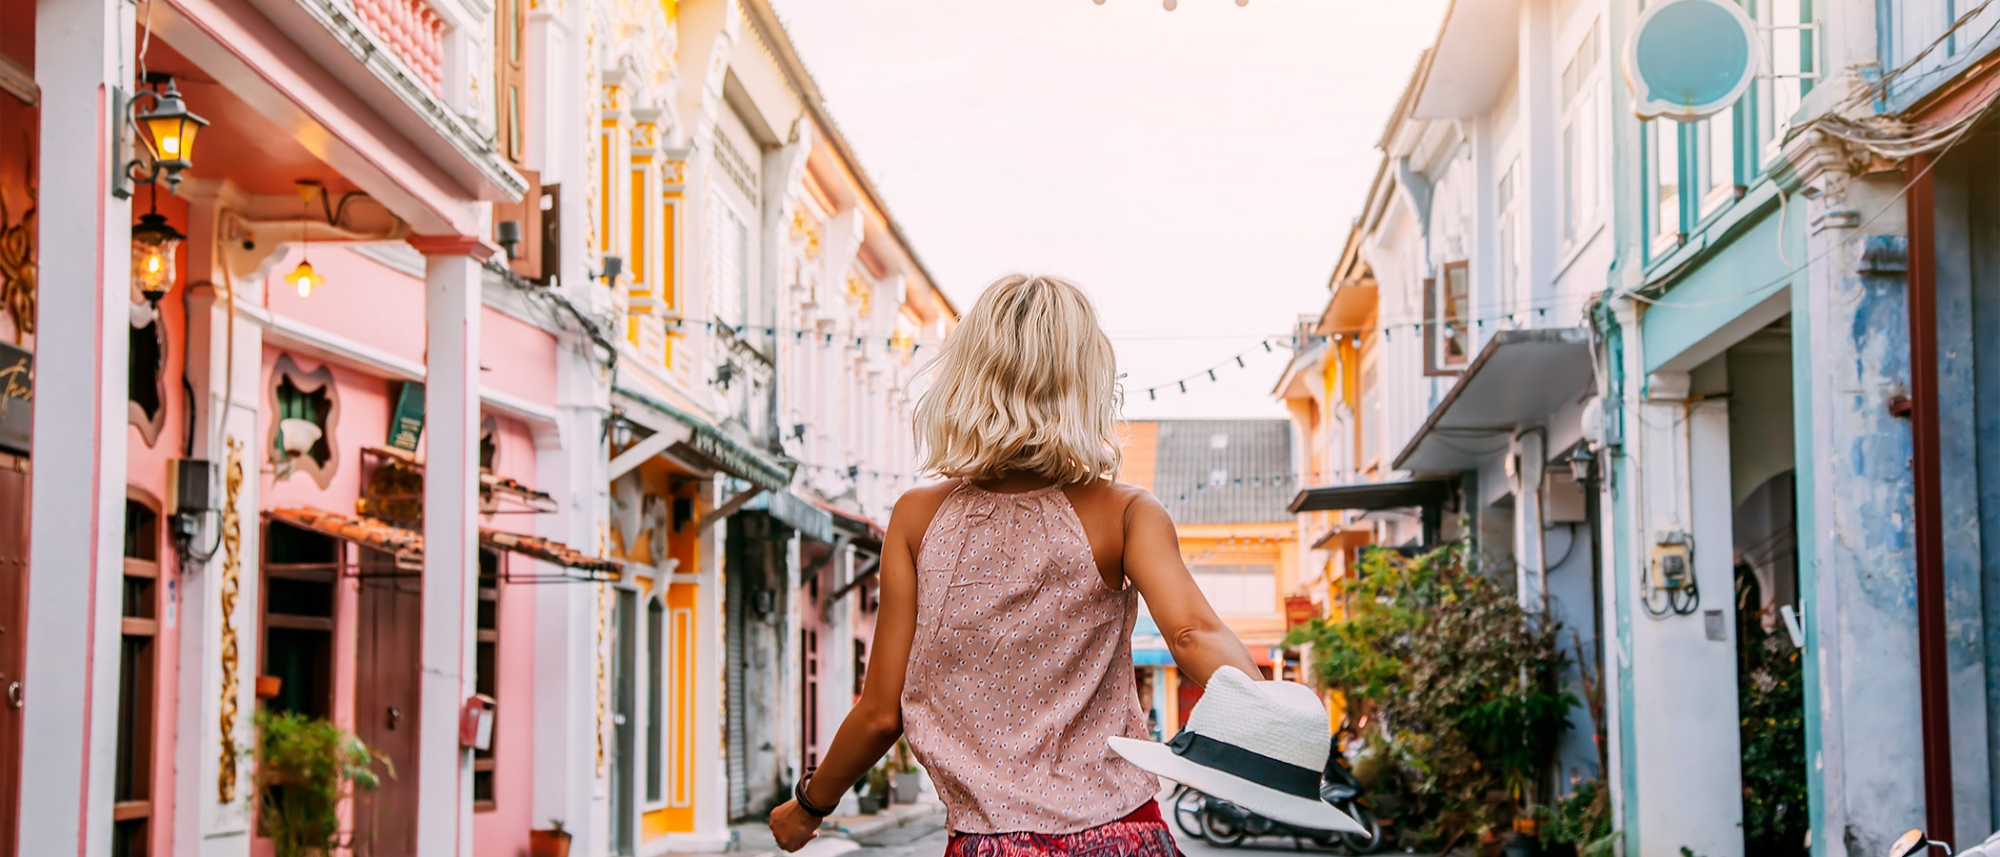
[(1262, 745)]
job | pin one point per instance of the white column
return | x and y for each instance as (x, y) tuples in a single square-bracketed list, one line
[(1683, 676), (451, 467), (225, 410), (75, 565), (1530, 571)]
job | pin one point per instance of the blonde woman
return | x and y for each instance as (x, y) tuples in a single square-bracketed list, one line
[(1009, 590)]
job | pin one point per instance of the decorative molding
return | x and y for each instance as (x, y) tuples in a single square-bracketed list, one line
[(232, 567), (356, 36), (479, 249), (603, 677), (398, 256)]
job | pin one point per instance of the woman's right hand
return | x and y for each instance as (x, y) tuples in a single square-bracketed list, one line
[(793, 826)]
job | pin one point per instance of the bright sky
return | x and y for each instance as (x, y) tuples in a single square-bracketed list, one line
[(1194, 170)]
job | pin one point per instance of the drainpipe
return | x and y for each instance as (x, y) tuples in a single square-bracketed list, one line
[(1928, 504)]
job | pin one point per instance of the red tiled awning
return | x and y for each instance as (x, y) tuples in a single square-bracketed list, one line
[(540, 501), (407, 546)]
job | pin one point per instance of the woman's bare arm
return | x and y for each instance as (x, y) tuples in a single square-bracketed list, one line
[(876, 721), (1199, 641)]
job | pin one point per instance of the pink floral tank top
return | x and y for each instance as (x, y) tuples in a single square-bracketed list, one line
[(1021, 667)]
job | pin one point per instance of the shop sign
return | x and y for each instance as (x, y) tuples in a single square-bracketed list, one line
[(406, 424), (1688, 60), (17, 396)]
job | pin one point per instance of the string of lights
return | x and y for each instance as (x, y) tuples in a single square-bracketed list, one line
[(1413, 325)]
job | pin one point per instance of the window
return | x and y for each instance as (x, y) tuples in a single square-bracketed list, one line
[(510, 23), (1238, 589), (486, 674), (656, 709), (1665, 170), (1715, 158), (1581, 167), (145, 368), (132, 776), (729, 243), (1371, 418), (307, 408), (1448, 305), (1792, 69), (301, 569), (1510, 254)]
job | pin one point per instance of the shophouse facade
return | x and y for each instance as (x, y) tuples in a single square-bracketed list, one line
[(1798, 287), (774, 315), (1437, 393), (1225, 483), (460, 396)]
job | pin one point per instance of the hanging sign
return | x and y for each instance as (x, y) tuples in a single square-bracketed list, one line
[(17, 396), (1688, 60), (406, 424)]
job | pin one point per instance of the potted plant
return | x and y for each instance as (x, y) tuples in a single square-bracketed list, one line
[(305, 767), (553, 842), (904, 781), (876, 797)]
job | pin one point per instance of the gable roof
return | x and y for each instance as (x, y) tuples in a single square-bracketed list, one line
[(1224, 471)]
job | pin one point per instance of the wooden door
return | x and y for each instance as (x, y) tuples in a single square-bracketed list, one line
[(13, 625), (387, 672)]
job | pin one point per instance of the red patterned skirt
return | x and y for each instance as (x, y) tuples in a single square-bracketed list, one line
[(1143, 833)]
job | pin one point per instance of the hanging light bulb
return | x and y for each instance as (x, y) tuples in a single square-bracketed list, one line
[(1170, 4), (304, 278)]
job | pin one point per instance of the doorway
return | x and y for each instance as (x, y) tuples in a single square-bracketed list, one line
[(624, 721), (387, 671), (13, 597), (1770, 683)]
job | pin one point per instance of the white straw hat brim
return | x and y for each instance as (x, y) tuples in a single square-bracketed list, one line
[(1160, 759)]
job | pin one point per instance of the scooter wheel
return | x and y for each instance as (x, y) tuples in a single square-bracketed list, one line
[(1221, 832), (1362, 843), (1188, 806)]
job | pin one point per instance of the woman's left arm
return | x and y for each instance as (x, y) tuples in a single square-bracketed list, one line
[(876, 720)]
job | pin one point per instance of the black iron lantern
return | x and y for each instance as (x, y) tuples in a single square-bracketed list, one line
[(154, 242), (172, 129), (1581, 461)]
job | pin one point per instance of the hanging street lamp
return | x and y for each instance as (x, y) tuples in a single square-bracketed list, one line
[(154, 242), (170, 130)]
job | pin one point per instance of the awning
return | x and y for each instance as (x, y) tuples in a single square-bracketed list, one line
[(707, 442), (1521, 376), (1370, 496), (504, 486), (407, 546), (860, 528), (796, 512)]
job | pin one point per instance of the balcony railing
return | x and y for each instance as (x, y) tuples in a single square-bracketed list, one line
[(412, 31)]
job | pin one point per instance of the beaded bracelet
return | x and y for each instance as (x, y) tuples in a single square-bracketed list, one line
[(806, 803)]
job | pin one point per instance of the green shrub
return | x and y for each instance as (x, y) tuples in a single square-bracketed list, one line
[(1456, 682), (304, 769)]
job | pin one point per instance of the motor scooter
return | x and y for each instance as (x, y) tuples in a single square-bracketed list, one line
[(1226, 825), (1915, 842)]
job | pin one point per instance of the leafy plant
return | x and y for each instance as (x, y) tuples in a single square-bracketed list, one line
[(1457, 681), (1580, 819), (1771, 701), (901, 760), (305, 766)]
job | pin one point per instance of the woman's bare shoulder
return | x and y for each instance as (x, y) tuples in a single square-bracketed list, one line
[(1110, 497), (915, 509)]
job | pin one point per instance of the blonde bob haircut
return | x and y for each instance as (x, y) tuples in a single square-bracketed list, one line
[(1027, 383)]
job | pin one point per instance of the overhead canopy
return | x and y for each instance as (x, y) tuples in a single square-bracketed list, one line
[(796, 512), (1520, 377), (489, 482), (707, 444), (1370, 496), (407, 546)]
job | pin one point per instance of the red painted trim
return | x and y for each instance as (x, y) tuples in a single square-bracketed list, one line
[(478, 248), (96, 527), (1928, 504)]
